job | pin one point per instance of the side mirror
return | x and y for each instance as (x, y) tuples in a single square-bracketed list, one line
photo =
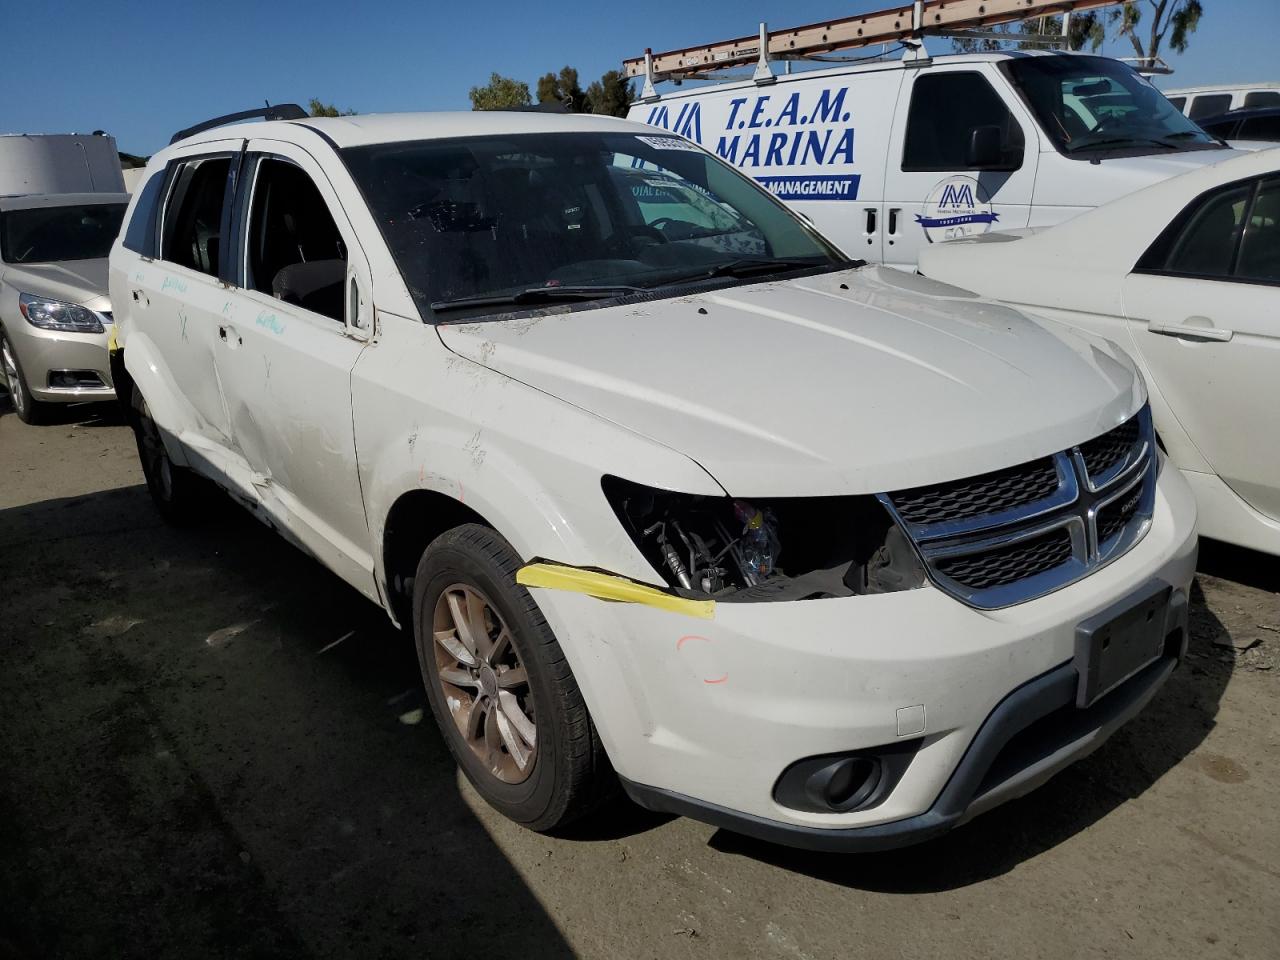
[(984, 148)]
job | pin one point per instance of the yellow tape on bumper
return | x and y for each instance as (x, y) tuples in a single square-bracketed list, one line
[(112, 346), (605, 586)]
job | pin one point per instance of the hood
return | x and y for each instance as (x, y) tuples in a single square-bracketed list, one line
[(1120, 176), (75, 281), (852, 382)]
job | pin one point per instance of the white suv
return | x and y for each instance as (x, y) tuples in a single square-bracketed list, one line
[(661, 482)]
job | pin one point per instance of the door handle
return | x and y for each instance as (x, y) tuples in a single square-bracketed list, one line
[(140, 297), (893, 220), (228, 336), (1196, 328)]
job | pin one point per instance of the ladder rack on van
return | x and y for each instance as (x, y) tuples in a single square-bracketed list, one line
[(905, 24)]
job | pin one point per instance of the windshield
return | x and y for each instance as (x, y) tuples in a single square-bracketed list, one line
[(51, 234), (1092, 106), (475, 223)]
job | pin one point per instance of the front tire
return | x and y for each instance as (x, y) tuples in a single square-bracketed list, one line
[(499, 686), (28, 408), (179, 495)]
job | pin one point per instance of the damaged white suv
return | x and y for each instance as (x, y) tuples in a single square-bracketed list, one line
[(668, 490)]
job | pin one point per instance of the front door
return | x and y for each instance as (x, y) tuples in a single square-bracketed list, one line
[(287, 344), (961, 161), (1204, 309)]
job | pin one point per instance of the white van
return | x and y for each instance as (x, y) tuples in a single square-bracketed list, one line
[(1210, 101), (59, 163), (889, 156)]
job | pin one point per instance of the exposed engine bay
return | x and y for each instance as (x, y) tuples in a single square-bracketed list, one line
[(797, 548)]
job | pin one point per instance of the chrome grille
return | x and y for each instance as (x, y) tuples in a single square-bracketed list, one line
[(1015, 534), (975, 496)]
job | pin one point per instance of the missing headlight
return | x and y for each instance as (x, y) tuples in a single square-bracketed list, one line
[(782, 548)]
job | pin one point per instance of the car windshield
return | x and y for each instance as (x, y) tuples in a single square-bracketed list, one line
[(1093, 106), (480, 222), (52, 234)]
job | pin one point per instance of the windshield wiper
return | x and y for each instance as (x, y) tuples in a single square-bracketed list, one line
[(537, 295), (750, 266)]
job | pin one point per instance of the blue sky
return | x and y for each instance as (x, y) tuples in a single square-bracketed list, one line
[(143, 70)]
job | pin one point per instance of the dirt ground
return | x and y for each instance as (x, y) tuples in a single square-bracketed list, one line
[(209, 746)]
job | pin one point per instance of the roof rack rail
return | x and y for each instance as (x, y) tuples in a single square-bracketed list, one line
[(906, 24), (281, 111)]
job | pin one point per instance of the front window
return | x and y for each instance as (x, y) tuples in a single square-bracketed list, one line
[(1094, 107), (482, 225), (54, 234)]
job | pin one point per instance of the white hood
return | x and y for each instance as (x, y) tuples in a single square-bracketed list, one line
[(1121, 176), (805, 388)]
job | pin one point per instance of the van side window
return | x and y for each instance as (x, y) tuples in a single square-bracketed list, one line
[(950, 118), (193, 215), (1178, 103), (1262, 98), (140, 235), (293, 250), (1209, 105)]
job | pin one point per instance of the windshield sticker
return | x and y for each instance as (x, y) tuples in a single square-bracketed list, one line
[(668, 143), (956, 207)]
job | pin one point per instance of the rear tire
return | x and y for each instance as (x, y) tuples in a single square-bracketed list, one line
[(504, 675), (28, 408), (180, 495)]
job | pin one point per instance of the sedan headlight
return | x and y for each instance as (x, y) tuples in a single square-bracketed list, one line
[(783, 548), (56, 315)]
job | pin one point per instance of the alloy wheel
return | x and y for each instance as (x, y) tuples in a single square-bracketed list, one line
[(485, 686), (11, 378)]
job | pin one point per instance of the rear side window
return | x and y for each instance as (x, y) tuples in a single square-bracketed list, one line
[(945, 110), (1230, 233), (1210, 105), (1260, 128), (140, 235), (193, 216), (1178, 102), (1262, 98)]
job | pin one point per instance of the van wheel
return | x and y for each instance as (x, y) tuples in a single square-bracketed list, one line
[(499, 686), (28, 408), (178, 494)]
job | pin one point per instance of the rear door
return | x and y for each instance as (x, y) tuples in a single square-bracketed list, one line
[(962, 160), (176, 298), (816, 143), (286, 345), (1204, 308)]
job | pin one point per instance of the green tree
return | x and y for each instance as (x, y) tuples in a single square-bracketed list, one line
[(610, 95), (562, 88), (320, 109), (1086, 28), (500, 93), (1175, 19)]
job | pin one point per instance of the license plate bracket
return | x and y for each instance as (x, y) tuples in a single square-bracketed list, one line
[(1113, 645)]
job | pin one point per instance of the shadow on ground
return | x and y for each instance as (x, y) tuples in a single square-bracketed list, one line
[(212, 747)]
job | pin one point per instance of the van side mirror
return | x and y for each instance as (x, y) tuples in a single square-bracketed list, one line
[(984, 148)]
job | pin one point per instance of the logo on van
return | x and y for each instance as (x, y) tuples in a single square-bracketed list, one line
[(956, 207)]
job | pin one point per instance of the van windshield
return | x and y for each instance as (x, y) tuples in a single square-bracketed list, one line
[(53, 234), (479, 224), (1096, 107)]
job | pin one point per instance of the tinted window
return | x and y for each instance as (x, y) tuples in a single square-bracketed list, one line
[(1262, 98), (1210, 105), (1178, 102), (1202, 240), (945, 109), (1260, 128), (140, 234), (193, 215), (52, 234), (1260, 247), (1094, 107), (531, 214), (293, 250), (1223, 128)]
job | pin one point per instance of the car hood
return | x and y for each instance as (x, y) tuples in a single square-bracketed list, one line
[(851, 382), (1120, 176), (75, 281)]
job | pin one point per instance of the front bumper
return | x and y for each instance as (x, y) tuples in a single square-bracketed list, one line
[(44, 352), (701, 717)]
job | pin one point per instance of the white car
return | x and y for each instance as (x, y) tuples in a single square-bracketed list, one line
[(660, 482), (1185, 275)]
